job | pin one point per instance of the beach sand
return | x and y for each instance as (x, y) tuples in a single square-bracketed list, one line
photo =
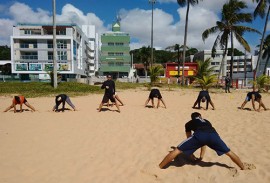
[(87, 146)]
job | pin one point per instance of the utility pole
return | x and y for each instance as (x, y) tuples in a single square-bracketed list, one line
[(54, 49), (152, 24)]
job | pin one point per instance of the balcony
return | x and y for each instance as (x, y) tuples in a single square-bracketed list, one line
[(28, 57)]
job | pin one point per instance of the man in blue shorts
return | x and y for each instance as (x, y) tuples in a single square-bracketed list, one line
[(204, 135), (254, 96)]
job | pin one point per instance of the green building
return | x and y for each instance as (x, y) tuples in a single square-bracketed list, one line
[(115, 58)]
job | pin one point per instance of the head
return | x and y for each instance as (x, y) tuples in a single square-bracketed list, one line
[(17, 99), (203, 99), (195, 115), (109, 77)]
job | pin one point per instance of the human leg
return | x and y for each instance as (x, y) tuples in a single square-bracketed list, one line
[(118, 99), (70, 103), (169, 157), (235, 159), (11, 106), (212, 104), (243, 105), (31, 107), (163, 102), (146, 102)]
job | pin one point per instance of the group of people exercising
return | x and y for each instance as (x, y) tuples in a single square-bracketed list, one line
[(200, 132)]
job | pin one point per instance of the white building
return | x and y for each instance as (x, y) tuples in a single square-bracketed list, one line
[(241, 64), (32, 51)]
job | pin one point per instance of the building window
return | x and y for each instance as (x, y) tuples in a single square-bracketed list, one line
[(119, 63), (62, 44), (110, 63), (119, 44), (29, 55), (62, 55), (110, 53), (27, 32), (119, 54)]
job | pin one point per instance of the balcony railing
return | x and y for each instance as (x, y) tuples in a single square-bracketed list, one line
[(29, 57)]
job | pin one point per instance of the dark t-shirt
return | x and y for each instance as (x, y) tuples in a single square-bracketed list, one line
[(111, 89), (199, 124), (202, 94)]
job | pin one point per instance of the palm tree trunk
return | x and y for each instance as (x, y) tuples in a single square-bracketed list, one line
[(185, 44), (232, 54), (261, 45)]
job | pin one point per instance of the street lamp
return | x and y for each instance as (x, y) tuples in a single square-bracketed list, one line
[(152, 57), (54, 49)]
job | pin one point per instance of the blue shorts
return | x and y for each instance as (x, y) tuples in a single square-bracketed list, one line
[(199, 139), (247, 98)]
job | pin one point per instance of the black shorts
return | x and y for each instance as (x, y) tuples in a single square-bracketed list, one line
[(106, 98)]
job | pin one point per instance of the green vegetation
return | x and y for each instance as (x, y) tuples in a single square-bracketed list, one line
[(37, 89)]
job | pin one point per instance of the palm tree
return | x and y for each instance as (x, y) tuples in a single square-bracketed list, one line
[(228, 28), (206, 81), (204, 75), (266, 52), (183, 3), (261, 10), (155, 72), (204, 68), (145, 55), (261, 81)]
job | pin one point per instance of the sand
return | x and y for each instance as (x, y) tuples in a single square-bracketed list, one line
[(87, 146)]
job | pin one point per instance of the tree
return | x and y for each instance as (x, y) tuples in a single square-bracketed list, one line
[(155, 72), (187, 3), (5, 53), (266, 52), (228, 28), (206, 81), (204, 75), (261, 81), (145, 55), (204, 68), (176, 47), (261, 10)]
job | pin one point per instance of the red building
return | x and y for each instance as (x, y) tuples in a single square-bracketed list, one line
[(189, 69)]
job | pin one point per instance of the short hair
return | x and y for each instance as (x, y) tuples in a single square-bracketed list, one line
[(194, 115), (17, 99), (203, 99)]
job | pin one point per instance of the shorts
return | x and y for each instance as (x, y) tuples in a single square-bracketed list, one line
[(247, 98), (199, 139), (106, 98)]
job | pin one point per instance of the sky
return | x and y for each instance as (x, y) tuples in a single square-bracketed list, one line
[(169, 19)]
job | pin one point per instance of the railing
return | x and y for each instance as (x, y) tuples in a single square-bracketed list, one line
[(26, 45), (29, 57)]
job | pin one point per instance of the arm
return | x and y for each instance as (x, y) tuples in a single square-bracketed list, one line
[(20, 107), (163, 102)]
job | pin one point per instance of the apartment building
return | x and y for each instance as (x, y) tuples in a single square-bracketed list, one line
[(241, 64), (115, 58), (32, 51)]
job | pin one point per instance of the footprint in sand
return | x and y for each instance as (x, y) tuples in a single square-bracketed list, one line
[(233, 172), (249, 166), (150, 174)]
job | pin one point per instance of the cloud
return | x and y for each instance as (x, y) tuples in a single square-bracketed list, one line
[(69, 14), (168, 30)]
